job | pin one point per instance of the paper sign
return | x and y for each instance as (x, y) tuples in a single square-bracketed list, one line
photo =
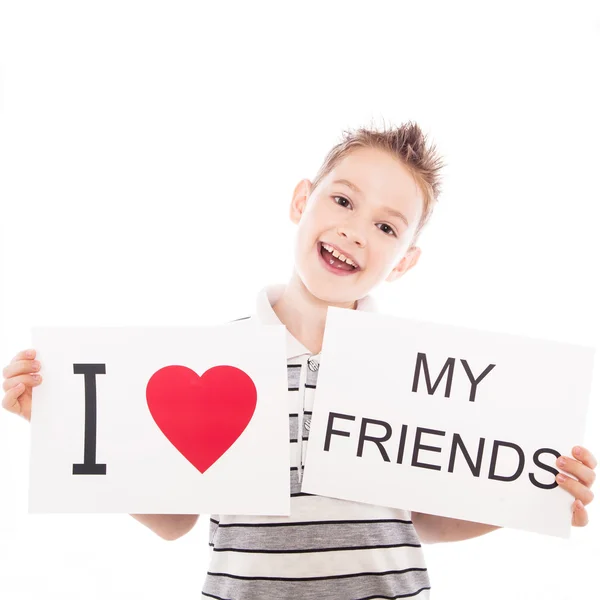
[(446, 420), (164, 420)]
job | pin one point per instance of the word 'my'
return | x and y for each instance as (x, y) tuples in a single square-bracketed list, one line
[(449, 366)]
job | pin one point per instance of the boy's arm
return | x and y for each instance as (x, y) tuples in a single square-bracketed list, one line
[(168, 527), (433, 529)]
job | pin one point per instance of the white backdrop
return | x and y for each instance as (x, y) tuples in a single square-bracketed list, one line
[(149, 154)]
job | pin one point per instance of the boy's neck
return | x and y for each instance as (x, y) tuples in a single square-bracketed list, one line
[(303, 314)]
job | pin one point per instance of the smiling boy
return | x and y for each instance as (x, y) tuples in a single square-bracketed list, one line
[(358, 224)]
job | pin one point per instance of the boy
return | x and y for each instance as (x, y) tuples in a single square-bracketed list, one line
[(357, 226)]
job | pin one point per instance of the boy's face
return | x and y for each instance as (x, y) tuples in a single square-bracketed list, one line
[(358, 224)]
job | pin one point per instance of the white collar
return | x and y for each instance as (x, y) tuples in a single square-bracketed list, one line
[(267, 316)]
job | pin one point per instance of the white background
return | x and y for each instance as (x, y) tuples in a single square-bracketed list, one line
[(149, 154)]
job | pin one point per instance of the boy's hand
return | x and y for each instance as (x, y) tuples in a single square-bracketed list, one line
[(19, 378), (583, 468)]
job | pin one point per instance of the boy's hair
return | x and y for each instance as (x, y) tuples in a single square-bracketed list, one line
[(408, 144)]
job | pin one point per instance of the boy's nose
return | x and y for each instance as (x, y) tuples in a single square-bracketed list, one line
[(345, 231)]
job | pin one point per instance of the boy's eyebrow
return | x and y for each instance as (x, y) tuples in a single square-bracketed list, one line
[(389, 210)]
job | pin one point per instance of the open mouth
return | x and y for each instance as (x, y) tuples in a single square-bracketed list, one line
[(334, 264)]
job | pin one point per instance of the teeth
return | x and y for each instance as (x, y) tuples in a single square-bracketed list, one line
[(338, 255)]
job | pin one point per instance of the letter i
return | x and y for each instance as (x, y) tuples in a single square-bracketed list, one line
[(402, 443)]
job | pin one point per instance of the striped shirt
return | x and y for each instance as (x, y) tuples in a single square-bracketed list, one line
[(327, 548)]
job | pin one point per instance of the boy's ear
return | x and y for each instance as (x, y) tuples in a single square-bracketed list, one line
[(409, 260), (299, 199)]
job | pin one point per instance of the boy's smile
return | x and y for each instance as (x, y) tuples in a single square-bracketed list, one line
[(336, 260)]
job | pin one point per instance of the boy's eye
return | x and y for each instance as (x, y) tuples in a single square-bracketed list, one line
[(342, 197), (388, 231)]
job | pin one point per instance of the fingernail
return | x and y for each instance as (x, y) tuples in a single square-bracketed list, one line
[(577, 450), (561, 478), (578, 504), (561, 462), (29, 354)]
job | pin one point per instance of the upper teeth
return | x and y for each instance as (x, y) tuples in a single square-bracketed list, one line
[(338, 255)]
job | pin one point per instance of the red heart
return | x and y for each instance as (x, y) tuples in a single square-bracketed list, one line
[(201, 416)]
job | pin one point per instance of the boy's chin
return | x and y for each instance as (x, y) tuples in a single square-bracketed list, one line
[(334, 292)]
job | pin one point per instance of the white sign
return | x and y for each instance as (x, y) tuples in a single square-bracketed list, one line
[(174, 420), (446, 420)]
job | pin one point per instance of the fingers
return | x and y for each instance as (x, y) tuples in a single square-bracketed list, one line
[(575, 488), (580, 515), (29, 380), (585, 456), (11, 399), (583, 473), (24, 354), (18, 375), (20, 367), (583, 468)]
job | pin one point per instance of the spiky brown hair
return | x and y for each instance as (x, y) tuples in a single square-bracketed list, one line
[(408, 144)]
